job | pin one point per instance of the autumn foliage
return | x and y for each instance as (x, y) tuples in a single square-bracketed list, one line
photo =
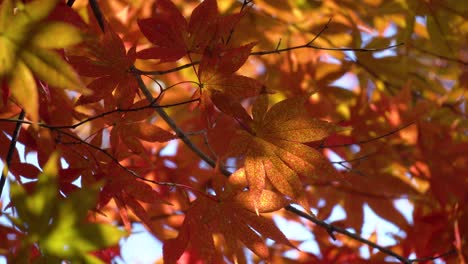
[(207, 121)]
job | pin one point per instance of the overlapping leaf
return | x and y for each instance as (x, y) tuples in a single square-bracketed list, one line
[(273, 151), (108, 60), (25, 40), (218, 82), (58, 224), (226, 213), (174, 37)]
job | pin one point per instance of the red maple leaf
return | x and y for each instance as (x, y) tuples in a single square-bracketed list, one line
[(174, 37), (109, 61)]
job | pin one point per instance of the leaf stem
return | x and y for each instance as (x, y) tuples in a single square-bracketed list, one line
[(368, 140)]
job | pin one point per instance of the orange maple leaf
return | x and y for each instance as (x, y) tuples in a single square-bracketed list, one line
[(217, 68), (272, 145), (219, 85), (226, 213)]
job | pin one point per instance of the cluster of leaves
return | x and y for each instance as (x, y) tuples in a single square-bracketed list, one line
[(265, 93)]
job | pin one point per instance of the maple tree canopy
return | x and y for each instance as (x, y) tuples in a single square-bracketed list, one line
[(209, 121)]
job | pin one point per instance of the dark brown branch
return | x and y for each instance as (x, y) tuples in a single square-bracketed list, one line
[(11, 150), (331, 229), (97, 14), (70, 3), (179, 132)]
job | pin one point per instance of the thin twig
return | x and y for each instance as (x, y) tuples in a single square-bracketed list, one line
[(176, 69), (133, 173), (82, 122), (321, 31), (367, 140), (260, 53), (457, 60), (11, 150), (307, 45), (443, 255)]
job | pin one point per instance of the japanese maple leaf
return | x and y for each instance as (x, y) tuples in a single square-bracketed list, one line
[(132, 133), (109, 62), (226, 213), (127, 192), (174, 37), (57, 224), (217, 76), (273, 149), (27, 43)]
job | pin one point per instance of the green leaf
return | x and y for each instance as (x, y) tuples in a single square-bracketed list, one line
[(56, 35), (26, 18), (8, 52), (439, 31), (71, 238), (59, 224), (74, 242), (48, 66), (6, 14), (36, 209)]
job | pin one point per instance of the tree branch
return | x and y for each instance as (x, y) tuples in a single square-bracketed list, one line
[(11, 150), (179, 132), (330, 228)]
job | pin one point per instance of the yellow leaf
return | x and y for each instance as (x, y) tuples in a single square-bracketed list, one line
[(8, 52), (27, 18), (48, 66), (6, 14), (56, 35), (23, 88)]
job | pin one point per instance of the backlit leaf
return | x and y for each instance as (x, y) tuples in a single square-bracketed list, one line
[(274, 152), (56, 35), (48, 66), (24, 90), (207, 216)]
